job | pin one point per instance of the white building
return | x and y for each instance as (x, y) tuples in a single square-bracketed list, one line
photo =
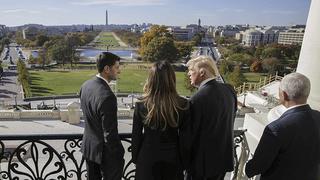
[(256, 36), (291, 37), (251, 37)]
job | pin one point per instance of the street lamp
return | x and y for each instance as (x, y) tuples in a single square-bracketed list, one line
[(16, 104)]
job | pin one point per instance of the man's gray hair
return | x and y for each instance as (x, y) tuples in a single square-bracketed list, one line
[(296, 85)]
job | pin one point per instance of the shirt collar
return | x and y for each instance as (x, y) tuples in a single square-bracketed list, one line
[(204, 82), (99, 76), (295, 106)]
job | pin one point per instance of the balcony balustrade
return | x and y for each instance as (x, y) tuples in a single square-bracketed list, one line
[(58, 156)]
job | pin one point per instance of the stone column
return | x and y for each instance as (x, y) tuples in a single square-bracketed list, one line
[(309, 60), (74, 113)]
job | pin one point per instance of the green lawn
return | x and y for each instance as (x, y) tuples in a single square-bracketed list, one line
[(48, 83), (107, 39), (254, 77)]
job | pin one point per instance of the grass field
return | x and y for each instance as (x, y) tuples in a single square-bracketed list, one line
[(131, 79), (107, 39), (48, 83)]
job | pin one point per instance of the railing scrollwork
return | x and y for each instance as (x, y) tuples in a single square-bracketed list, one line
[(42, 157)]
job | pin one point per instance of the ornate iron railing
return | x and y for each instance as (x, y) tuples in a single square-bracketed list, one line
[(41, 157)]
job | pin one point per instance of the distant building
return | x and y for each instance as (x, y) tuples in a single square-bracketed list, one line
[(259, 35), (269, 36), (3, 30), (183, 34), (292, 36), (228, 32), (251, 37), (239, 35)]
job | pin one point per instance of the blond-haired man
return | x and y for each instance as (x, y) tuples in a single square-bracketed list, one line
[(213, 109)]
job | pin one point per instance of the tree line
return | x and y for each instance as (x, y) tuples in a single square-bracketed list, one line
[(24, 77), (270, 58), (60, 49)]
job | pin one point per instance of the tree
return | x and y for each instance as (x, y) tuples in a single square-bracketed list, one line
[(270, 65), (271, 52), (5, 41), (225, 67), (258, 51), (240, 58), (256, 66), (160, 48), (32, 60), (184, 49), (155, 31), (23, 77), (58, 52), (221, 40), (237, 48), (197, 38), (236, 78), (72, 41), (43, 59), (41, 39)]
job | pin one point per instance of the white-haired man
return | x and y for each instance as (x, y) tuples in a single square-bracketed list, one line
[(290, 146), (213, 109)]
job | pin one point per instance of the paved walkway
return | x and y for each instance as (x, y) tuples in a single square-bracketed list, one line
[(122, 44)]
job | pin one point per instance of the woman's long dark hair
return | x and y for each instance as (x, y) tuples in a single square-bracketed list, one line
[(161, 97)]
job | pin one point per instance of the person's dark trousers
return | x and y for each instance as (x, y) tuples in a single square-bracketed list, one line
[(166, 171), (217, 177), (108, 170)]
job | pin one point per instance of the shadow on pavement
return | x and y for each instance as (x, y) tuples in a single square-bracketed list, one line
[(10, 73), (4, 91)]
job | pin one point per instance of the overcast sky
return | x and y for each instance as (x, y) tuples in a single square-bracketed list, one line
[(166, 12)]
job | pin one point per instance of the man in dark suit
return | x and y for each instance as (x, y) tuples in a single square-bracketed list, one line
[(213, 109), (290, 146), (101, 145)]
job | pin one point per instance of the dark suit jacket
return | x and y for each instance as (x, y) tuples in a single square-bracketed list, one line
[(151, 146), (289, 147), (99, 107), (213, 110)]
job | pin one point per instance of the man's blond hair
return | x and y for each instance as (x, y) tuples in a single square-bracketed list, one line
[(206, 63)]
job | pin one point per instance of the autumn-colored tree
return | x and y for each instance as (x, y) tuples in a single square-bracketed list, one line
[(256, 66), (155, 31), (160, 48)]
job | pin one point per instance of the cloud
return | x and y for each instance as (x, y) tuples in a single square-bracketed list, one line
[(120, 2), (8, 11), (282, 12)]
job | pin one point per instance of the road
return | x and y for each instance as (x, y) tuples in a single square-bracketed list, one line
[(9, 85), (10, 88)]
